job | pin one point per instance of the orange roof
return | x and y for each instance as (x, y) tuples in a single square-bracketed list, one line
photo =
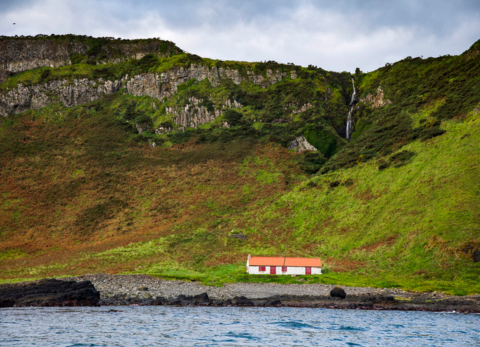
[(279, 261)]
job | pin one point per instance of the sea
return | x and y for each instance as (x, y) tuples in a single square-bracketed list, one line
[(233, 326)]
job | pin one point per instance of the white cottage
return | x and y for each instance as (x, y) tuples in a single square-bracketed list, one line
[(283, 266)]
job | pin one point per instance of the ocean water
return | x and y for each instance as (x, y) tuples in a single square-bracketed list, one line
[(233, 326)]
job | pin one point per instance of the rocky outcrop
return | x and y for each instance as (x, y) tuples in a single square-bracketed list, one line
[(376, 100), (49, 292), (164, 85), (78, 92), (476, 110), (301, 144), (296, 109), (21, 54), (158, 86), (195, 113), (338, 292)]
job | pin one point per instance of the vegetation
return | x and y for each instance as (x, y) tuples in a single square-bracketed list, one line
[(81, 191)]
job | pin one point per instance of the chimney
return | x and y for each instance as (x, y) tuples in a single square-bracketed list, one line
[(249, 256)]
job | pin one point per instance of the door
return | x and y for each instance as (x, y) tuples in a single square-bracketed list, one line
[(273, 270), (308, 270)]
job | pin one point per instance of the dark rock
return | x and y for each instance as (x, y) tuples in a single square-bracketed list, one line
[(143, 288), (239, 236), (174, 302), (202, 298), (159, 301), (273, 302), (334, 184), (338, 292), (242, 301), (7, 303), (50, 292)]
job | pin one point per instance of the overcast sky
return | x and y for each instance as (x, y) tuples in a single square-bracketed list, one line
[(336, 35)]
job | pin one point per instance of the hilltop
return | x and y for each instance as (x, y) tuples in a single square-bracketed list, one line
[(135, 157)]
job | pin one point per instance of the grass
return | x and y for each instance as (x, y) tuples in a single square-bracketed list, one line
[(397, 206), (400, 227)]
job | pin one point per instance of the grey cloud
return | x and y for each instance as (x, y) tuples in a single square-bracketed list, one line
[(8, 5), (336, 35)]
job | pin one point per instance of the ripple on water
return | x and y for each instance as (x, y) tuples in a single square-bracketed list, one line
[(348, 328), (238, 335), (294, 325), (180, 326)]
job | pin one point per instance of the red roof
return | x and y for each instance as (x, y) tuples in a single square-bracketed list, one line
[(280, 261)]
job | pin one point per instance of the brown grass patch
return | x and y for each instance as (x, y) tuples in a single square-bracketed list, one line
[(344, 265), (389, 241), (99, 191), (225, 259)]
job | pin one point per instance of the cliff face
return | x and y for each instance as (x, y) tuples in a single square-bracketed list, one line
[(21, 54), (164, 85), (158, 86), (195, 114), (70, 94), (376, 100)]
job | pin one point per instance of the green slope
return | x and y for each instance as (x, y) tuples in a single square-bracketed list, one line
[(396, 206)]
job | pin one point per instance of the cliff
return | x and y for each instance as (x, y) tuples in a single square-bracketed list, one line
[(25, 53), (158, 86)]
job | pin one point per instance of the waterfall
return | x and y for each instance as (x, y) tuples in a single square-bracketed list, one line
[(352, 105)]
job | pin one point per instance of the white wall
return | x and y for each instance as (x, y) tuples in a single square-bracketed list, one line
[(291, 270)]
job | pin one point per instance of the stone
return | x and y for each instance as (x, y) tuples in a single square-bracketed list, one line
[(338, 292), (242, 301), (476, 110), (202, 297), (376, 100), (49, 292), (273, 302), (79, 92), (301, 144)]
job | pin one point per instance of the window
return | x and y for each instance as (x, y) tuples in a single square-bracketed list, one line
[(261, 268), (273, 270), (284, 269), (308, 270)]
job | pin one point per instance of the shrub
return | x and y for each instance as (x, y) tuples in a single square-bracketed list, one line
[(45, 74), (323, 140), (311, 162), (234, 118)]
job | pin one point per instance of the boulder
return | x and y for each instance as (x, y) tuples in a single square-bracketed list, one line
[(338, 292), (49, 292), (301, 144), (242, 301), (273, 302), (202, 298), (158, 301)]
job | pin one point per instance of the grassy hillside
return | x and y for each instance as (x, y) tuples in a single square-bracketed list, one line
[(82, 192)]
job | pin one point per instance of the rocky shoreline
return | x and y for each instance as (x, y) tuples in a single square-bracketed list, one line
[(117, 290), (49, 292)]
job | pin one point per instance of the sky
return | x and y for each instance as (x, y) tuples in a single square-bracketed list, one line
[(337, 35)]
